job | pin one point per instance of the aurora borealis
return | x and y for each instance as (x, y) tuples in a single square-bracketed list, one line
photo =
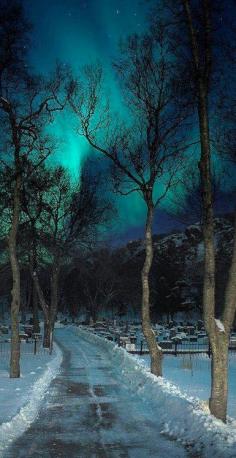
[(79, 32)]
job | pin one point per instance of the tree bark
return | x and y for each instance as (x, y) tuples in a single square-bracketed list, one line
[(208, 221), (45, 308), (36, 327), (220, 346), (155, 351), (15, 303), (218, 338), (54, 302), (47, 333), (54, 292), (219, 379), (230, 292)]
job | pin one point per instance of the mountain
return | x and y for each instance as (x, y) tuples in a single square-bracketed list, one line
[(177, 272)]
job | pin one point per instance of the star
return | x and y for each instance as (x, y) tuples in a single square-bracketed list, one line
[(117, 11)]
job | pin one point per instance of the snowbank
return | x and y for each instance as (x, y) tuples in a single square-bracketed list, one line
[(30, 400), (182, 417), (192, 374)]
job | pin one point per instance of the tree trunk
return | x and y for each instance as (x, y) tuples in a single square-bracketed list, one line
[(201, 79), (54, 293), (155, 351), (15, 303), (47, 333), (54, 300), (218, 397), (168, 317), (36, 327), (44, 306), (219, 380), (219, 340), (93, 316), (208, 221), (23, 313), (230, 291)]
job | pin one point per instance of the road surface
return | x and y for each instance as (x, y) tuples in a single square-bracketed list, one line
[(89, 413)]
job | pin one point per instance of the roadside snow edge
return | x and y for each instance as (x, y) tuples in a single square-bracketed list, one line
[(182, 417), (11, 430)]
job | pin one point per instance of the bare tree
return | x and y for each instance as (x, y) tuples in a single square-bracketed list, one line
[(26, 105), (63, 217), (218, 333), (145, 148), (99, 282), (195, 28)]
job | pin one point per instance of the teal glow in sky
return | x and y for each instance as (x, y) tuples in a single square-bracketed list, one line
[(76, 33)]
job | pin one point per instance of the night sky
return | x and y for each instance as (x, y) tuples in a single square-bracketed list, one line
[(77, 32)]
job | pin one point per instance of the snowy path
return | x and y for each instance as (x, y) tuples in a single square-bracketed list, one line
[(87, 413)]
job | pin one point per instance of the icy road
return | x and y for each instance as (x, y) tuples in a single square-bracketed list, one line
[(89, 413)]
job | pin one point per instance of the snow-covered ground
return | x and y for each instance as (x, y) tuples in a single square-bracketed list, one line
[(182, 417), (91, 411), (180, 414), (192, 373), (20, 398)]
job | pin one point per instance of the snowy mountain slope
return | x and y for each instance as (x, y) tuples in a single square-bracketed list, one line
[(190, 240), (178, 262)]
